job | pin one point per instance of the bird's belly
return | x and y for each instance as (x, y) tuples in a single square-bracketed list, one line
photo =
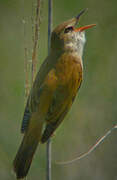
[(70, 78), (63, 98)]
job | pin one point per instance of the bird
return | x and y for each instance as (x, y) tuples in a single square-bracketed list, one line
[(53, 92)]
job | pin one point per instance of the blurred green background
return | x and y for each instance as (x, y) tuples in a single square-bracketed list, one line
[(95, 108)]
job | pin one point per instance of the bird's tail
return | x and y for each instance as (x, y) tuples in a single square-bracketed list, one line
[(25, 154)]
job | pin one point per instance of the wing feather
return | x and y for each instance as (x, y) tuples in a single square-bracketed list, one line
[(36, 90)]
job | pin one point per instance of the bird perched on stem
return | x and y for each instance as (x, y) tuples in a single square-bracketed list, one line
[(53, 91)]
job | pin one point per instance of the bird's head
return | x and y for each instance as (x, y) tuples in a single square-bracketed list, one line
[(68, 37)]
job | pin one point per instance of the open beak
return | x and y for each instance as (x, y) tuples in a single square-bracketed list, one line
[(82, 12), (80, 29), (73, 22), (85, 27)]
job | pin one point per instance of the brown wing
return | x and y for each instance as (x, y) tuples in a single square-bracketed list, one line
[(60, 105), (36, 90)]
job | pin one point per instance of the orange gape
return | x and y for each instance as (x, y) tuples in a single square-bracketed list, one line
[(53, 91)]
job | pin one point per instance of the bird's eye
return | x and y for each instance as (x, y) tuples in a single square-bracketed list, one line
[(68, 29)]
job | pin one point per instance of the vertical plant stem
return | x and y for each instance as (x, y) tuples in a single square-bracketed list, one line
[(48, 150), (36, 37), (49, 23), (34, 51), (27, 83), (49, 168), (26, 61)]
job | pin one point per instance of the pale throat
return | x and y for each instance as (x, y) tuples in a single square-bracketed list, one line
[(76, 45)]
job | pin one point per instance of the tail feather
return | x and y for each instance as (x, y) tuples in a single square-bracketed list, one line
[(32, 136), (24, 157), (27, 149)]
